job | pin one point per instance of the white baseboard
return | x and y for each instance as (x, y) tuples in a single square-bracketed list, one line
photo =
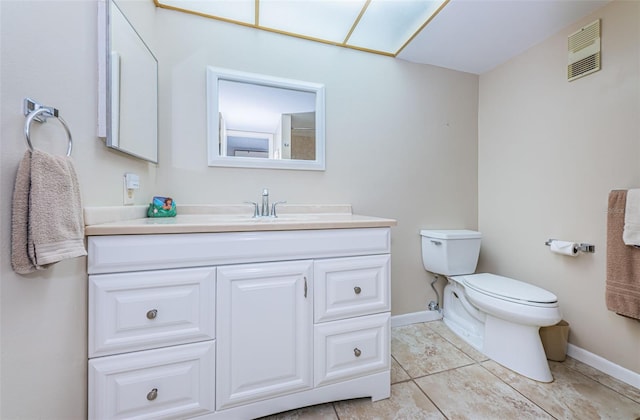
[(415, 317), (603, 365)]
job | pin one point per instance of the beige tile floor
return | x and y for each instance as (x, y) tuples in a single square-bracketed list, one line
[(436, 375)]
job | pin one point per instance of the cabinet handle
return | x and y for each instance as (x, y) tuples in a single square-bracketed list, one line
[(152, 314), (357, 290), (305, 287), (153, 394), (357, 352)]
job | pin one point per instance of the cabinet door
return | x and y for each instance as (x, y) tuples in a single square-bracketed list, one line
[(264, 331)]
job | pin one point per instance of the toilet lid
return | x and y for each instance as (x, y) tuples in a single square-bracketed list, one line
[(507, 288)]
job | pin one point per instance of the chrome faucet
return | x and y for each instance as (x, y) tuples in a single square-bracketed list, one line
[(264, 210), (265, 203)]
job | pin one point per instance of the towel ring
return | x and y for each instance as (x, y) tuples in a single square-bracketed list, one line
[(46, 113)]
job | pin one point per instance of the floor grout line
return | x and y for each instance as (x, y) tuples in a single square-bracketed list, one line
[(516, 390), (429, 398)]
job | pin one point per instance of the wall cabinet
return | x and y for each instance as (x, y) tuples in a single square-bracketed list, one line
[(237, 325)]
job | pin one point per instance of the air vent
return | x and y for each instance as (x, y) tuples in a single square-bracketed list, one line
[(584, 51)]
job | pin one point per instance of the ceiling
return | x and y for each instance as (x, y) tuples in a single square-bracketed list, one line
[(475, 36)]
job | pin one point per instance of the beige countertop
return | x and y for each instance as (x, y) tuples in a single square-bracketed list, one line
[(132, 220)]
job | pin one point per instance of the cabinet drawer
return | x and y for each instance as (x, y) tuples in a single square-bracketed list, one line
[(174, 382), (143, 310), (351, 348), (347, 287)]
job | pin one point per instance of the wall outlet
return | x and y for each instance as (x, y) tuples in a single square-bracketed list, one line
[(130, 184)]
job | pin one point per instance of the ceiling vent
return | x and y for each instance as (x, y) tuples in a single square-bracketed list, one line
[(584, 51)]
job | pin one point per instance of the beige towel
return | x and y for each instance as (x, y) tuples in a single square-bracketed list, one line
[(631, 232), (623, 262), (47, 222)]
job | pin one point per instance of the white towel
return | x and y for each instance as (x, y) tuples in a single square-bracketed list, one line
[(47, 221), (631, 231)]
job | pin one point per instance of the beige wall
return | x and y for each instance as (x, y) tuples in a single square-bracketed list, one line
[(49, 53), (549, 153), (392, 129), (401, 143)]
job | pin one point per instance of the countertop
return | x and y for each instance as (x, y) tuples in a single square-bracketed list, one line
[(132, 220)]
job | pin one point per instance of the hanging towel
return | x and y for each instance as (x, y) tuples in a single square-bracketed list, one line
[(47, 222), (623, 262), (631, 233)]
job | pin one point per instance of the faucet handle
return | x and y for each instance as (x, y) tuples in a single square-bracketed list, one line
[(256, 210), (273, 208)]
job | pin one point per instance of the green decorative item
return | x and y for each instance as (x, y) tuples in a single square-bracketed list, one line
[(162, 207)]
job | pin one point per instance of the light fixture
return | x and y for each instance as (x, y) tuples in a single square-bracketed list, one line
[(378, 26)]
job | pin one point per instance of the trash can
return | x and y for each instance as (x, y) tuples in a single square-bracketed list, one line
[(554, 340)]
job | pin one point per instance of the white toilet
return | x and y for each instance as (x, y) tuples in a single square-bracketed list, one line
[(497, 315)]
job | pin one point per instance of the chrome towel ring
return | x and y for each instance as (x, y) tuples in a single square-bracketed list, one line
[(40, 113)]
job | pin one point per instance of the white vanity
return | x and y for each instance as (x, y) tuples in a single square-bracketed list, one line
[(220, 316)]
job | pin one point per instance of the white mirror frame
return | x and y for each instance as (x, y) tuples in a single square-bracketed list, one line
[(214, 74)]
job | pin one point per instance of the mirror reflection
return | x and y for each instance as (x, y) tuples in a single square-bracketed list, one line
[(261, 121), (266, 121), (131, 89)]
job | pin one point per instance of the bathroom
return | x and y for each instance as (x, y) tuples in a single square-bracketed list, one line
[(517, 153)]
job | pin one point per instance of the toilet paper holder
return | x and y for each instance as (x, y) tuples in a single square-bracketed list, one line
[(582, 247)]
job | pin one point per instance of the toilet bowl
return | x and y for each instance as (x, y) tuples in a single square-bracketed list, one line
[(497, 315)]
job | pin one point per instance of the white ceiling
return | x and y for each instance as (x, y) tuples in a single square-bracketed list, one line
[(475, 36)]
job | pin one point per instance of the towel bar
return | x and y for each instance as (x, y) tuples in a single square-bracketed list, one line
[(38, 112)]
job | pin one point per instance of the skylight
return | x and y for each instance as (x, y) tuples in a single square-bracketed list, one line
[(378, 26)]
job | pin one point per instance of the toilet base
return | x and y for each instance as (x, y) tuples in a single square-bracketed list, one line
[(517, 347), (460, 320)]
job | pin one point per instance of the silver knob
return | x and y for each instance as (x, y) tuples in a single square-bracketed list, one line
[(153, 394), (357, 352), (152, 314), (357, 290)]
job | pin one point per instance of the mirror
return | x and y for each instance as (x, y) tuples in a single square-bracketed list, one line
[(129, 87), (258, 121)]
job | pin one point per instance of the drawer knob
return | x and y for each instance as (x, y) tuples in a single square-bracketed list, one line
[(357, 289), (152, 314), (357, 352), (153, 394)]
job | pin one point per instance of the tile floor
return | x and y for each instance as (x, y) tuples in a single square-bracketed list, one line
[(436, 375)]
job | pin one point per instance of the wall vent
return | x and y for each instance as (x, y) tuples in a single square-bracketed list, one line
[(584, 51)]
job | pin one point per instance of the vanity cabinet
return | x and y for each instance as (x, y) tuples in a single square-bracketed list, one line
[(236, 325)]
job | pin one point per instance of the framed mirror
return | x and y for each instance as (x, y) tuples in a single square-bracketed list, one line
[(258, 121), (128, 110)]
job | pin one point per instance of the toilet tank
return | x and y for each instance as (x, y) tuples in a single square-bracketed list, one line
[(450, 252)]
